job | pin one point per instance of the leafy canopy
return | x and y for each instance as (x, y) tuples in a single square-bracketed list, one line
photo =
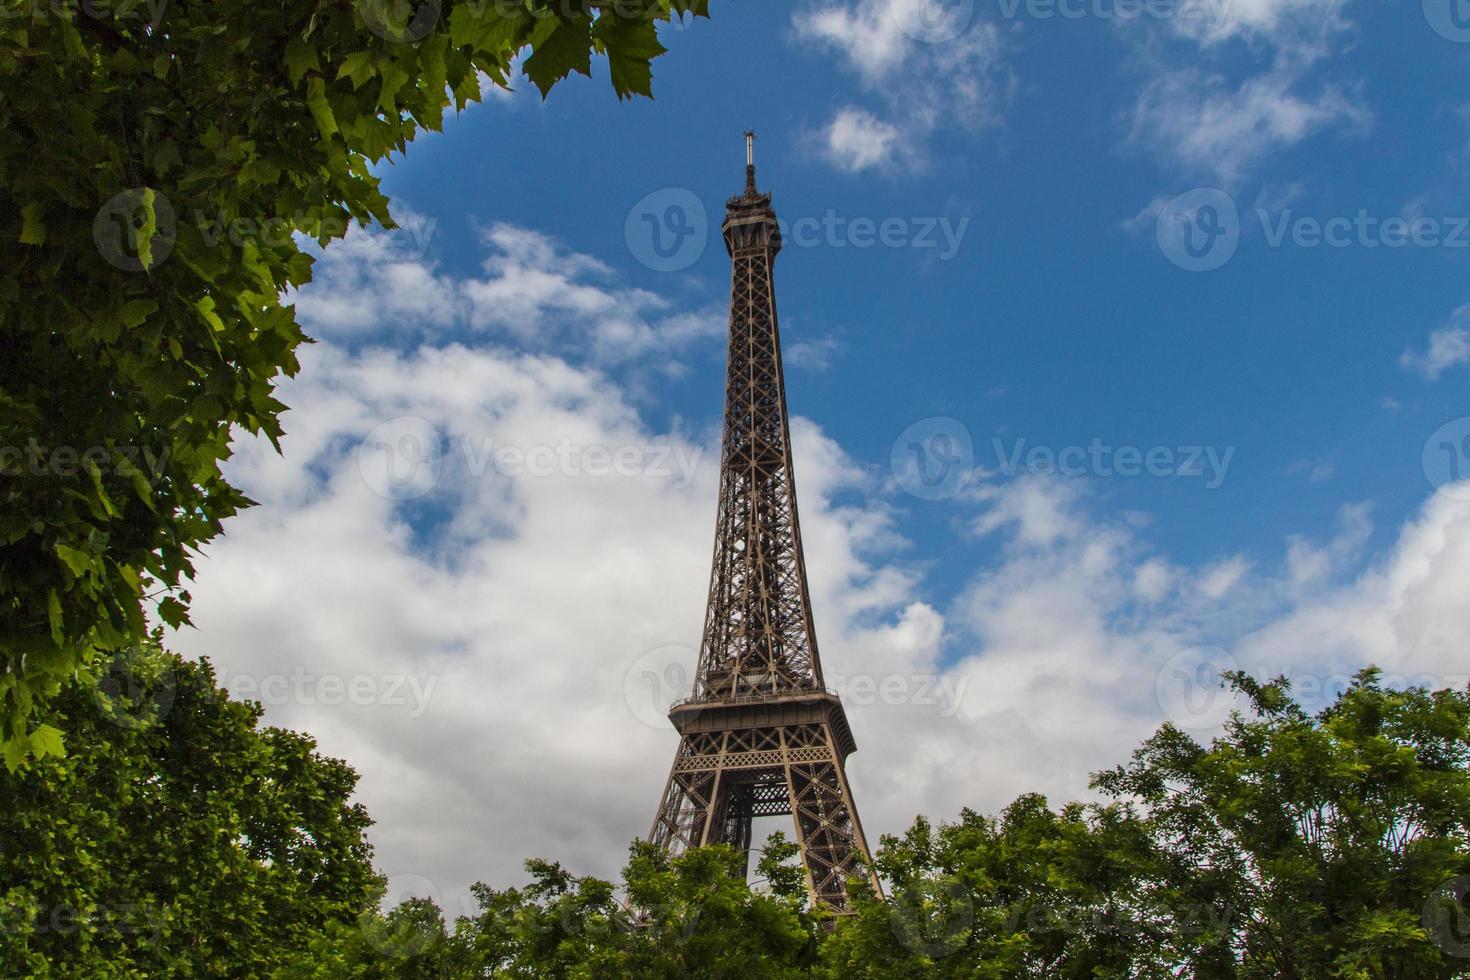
[(1292, 846), (180, 839), (159, 160), (176, 838)]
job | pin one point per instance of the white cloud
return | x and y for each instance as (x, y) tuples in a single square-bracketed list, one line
[(813, 354), (1213, 127), (1219, 578), (1217, 21), (532, 290), (957, 77), (522, 602), (856, 140), (1219, 109), (1448, 347)]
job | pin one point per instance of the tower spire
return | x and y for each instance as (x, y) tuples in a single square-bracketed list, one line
[(761, 735), (750, 190)]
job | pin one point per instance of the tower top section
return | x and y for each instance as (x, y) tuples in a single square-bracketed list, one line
[(749, 220)]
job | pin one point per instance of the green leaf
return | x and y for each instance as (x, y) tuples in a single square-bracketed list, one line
[(300, 57), (205, 306), (134, 312), (631, 46), (321, 109), (32, 228), (562, 48), (78, 561), (358, 66), (173, 612), (46, 740), (54, 615), (15, 752)]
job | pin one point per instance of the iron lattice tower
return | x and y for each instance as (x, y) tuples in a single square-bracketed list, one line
[(761, 735)]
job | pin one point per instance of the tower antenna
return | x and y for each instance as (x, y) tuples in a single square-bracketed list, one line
[(750, 163)]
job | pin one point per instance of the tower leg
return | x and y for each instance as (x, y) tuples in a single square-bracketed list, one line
[(721, 780)]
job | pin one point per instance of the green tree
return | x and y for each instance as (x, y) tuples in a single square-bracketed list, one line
[(1293, 845), (177, 838), (159, 162), (1317, 843), (692, 916), (1032, 893)]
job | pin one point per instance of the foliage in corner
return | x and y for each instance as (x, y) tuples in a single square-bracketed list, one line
[(160, 161), (177, 837)]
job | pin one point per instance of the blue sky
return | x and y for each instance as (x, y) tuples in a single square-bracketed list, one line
[(1056, 320), (1136, 211)]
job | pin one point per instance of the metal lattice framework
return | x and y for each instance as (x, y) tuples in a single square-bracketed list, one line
[(761, 736)]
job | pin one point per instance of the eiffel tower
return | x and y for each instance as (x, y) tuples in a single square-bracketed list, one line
[(761, 735)]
